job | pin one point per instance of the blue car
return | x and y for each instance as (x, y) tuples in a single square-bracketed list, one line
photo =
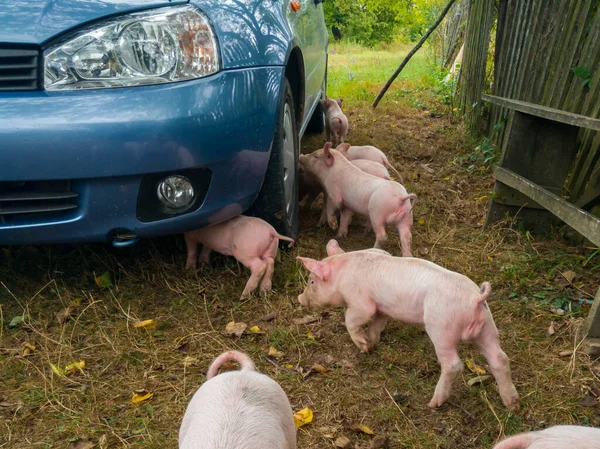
[(128, 119)]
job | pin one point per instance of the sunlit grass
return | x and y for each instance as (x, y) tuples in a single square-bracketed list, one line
[(357, 73)]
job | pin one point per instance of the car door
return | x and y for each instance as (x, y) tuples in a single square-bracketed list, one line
[(309, 28)]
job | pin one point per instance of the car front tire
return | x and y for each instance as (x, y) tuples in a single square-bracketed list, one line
[(277, 201)]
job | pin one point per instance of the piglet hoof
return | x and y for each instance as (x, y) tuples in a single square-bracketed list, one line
[(333, 224), (341, 235), (435, 403), (190, 264), (513, 405)]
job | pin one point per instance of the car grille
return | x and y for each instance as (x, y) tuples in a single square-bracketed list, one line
[(22, 201), (19, 69)]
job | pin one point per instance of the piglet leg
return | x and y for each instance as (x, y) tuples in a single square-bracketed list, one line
[(331, 210), (344, 223), (192, 252), (205, 254), (375, 328), (355, 319), (257, 270), (451, 364), (489, 345), (405, 239)]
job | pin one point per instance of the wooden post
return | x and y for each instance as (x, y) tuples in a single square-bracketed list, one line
[(591, 327)]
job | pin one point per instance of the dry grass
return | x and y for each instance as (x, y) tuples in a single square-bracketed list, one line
[(42, 410)]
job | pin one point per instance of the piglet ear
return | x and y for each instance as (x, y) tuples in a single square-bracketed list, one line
[(320, 269), (328, 154), (340, 101), (343, 148), (333, 248)]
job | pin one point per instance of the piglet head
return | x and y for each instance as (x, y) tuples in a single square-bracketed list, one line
[(320, 290), (318, 162), (339, 101)]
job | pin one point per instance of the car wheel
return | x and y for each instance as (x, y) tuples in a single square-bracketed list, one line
[(277, 201), (316, 125)]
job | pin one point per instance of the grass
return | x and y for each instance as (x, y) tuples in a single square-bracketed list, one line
[(41, 409)]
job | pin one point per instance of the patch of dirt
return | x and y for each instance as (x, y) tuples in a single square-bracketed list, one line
[(386, 390)]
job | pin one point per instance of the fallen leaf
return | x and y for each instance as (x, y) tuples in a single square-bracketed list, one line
[(303, 417), (28, 348), (74, 367), (424, 251), (57, 370), (374, 120), (103, 280), (289, 366), (255, 329), (269, 317), (342, 442), (146, 324), (80, 443), (588, 401), (565, 354), (137, 397), (378, 442), (474, 368), (274, 353), (364, 429), (64, 314), (421, 221), (311, 336), (490, 258), (306, 319), (18, 320), (478, 380), (427, 168), (551, 330), (190, 361), (236, 329), (319, 368), (447, 178), (569, 276)]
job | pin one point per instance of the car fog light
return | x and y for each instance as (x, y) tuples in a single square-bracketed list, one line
[(175, 192)]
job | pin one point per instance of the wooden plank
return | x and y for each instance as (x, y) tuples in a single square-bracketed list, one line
[(583, 222), (568, 118), (588, 197), (592, 324)]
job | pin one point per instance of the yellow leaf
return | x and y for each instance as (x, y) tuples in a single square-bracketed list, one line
[(74, 367), (275, 353), (447, 178), (415, 176), (319, 368), (365, 429), (137, 398), (454, 109), (490, 258), (103, 280), (374, 120), (289, 366), (236, 329), (77, 301), (421, 222), (474, 368), (481, 198), (146, 324), (393, 126), (303, 417), (57, 370), (254, 329), (28, 348), (311, 336), (410, 134)]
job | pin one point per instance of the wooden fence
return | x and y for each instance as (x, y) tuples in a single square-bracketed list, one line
[(538, 42)]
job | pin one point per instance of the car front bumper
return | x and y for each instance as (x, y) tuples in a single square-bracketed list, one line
[(103, 143)]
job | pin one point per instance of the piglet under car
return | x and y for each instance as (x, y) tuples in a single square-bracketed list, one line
[(557, 437), (375, 286), (252, 241), (238, 410)]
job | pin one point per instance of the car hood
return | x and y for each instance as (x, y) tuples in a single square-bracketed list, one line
[(39, 21)]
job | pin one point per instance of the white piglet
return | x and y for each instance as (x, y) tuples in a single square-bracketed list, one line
[(238, 410), (557, 437), (370, 153), (375, 286), (353, 191)]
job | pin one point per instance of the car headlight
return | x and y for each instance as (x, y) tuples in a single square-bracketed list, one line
[(153, 47)]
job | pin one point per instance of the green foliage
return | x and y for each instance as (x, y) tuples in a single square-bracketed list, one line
[(583, 73), (483, 155), (369, 22)]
